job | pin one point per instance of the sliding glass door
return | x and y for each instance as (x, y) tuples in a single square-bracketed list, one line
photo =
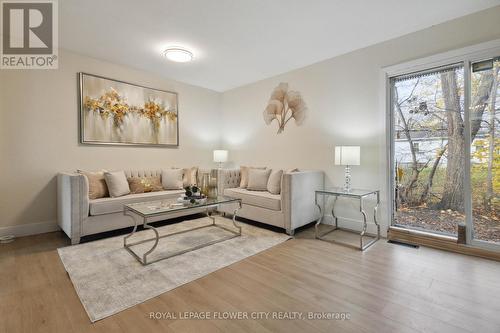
[(445, 140), (428, 148), (485, 151)]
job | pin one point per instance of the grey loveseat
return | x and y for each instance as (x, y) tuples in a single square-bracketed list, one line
[(292, 208)]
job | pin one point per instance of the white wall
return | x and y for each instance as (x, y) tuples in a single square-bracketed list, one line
[(343, 95), (39, 120), (39, 135)]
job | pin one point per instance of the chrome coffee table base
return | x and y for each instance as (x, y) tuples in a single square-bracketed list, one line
[(359, 194), (144, 258)]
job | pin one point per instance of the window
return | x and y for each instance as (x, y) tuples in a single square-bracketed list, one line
[(429, 152), (415, 147), (445, 144)]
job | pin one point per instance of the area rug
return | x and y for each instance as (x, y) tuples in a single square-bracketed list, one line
[(109, 280)]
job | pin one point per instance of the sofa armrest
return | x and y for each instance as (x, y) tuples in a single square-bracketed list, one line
[(297, 197), (227, 178), (72, 203)]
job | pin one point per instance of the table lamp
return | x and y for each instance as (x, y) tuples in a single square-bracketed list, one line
[(220, 156), (347, 155)]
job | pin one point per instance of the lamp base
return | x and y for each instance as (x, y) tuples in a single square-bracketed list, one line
[(347, 184)]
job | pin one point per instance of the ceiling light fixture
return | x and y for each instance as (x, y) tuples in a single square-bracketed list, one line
[(178, 54)]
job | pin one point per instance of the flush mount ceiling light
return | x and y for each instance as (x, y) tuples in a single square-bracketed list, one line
[(178, 54)]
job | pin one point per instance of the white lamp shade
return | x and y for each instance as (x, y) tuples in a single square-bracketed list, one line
[(347, 155), (220, 156)]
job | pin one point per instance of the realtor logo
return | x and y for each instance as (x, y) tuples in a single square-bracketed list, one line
[(29, 34)]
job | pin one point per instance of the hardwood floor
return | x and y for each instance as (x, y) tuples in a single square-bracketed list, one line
[(388, 288)]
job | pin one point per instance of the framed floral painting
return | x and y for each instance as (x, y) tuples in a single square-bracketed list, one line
[(120, 113)]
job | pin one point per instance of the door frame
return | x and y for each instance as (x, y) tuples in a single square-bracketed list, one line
[(465, 56)]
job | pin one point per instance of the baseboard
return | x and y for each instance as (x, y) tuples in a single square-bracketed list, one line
[(29, 229), (441, 242)]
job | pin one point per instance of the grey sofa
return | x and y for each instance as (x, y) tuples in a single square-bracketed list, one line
[(79, 216), (291, 209)]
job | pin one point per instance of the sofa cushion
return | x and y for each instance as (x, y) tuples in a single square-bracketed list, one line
[(189, 176), (144, 184), (257, 179), (255, 198), (117, 183), (244, 175), (274, 182), (171, 179), (97, 184), (115, 205)]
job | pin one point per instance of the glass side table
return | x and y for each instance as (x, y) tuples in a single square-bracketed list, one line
[(356, 194)]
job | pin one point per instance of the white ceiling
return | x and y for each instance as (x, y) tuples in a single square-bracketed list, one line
[(236, 42)]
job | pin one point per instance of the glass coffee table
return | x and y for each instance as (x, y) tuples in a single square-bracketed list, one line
[(147, 211)]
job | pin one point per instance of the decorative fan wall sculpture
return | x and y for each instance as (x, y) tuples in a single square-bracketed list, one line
[(284, 105)]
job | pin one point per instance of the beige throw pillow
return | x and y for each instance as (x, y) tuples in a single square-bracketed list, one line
[(244, 175), (97, 184), (117, 183), (274, 182), (190, 176), (171, 179), (257, 179)]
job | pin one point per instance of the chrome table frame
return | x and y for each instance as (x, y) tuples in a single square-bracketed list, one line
[(130, 212), (363, 232)]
